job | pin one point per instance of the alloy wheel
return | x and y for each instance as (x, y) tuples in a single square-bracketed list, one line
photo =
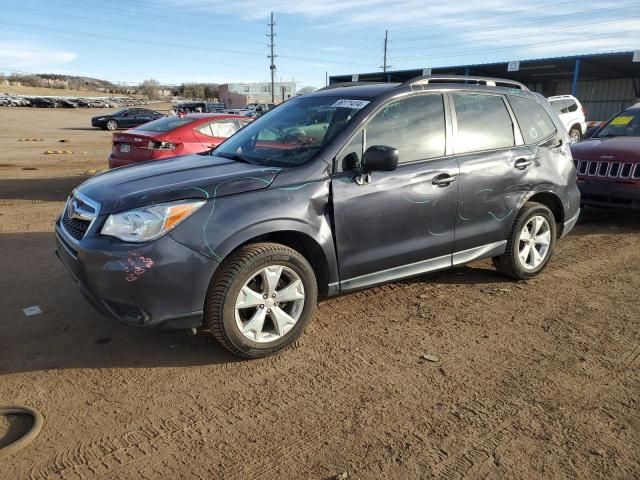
[(533, 242), (269, 304)]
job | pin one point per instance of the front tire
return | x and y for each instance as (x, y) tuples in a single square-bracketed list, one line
[(112, 125), (260, 299), (530, 243), (575, 135)]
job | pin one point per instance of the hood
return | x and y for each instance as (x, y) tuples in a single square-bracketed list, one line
[(190, 176), (617, 149)]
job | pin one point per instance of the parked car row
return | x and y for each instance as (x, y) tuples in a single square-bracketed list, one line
[(11, 100)]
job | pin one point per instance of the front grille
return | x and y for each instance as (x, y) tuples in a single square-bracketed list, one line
[(79, 212), (594, 168), (74, 226)]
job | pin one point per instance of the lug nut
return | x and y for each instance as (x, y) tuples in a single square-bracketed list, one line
[(264, 296), (274, 295), (268, 310), (261, 306)]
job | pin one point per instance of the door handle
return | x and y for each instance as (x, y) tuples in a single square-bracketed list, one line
[(443, 180), (522, 163)]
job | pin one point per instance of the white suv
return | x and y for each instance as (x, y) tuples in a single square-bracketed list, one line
[(572, 114)]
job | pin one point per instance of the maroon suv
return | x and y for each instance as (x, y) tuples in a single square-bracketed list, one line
[(608, 163)]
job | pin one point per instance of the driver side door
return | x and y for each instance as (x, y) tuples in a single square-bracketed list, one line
[(400, 223)]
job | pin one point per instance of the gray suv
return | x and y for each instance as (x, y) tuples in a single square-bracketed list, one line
[(345, 188)]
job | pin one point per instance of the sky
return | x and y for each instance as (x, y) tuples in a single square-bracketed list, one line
[(176, 41)]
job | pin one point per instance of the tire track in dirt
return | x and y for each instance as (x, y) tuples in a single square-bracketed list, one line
[(154, 443)]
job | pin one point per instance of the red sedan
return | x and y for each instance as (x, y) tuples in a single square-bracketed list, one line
[(172, 136)]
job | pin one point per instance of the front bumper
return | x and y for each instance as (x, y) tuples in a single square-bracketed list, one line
[(610, 193), (156, 284)]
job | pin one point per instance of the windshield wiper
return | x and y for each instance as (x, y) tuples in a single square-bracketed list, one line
[(233, 156)]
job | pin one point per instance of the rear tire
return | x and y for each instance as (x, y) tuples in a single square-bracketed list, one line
[(112, 125), (533, 229), (239, 307)]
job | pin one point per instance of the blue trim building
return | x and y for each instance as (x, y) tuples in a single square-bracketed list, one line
[(604, 82)]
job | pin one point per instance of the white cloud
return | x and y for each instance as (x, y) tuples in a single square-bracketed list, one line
[(17, 55)]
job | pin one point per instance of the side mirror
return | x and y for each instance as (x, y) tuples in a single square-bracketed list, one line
[(380, 158)]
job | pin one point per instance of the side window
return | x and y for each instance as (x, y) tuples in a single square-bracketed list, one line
[(414, 126), (557, 105), (205, 130), (535, 124), (221, 129), (571, 106), (350, 157), (484, 123)]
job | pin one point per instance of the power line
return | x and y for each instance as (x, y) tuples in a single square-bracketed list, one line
[(527, 35), (503, 14), (479, 52), (494, 27)]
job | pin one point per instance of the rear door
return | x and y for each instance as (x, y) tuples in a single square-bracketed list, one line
[(143, 116), (401, 223), (495, 169)]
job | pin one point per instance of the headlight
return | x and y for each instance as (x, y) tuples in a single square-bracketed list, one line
[(100, 119), (149, 223)]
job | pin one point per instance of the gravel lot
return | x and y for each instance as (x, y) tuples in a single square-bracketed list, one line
[(532, 380)]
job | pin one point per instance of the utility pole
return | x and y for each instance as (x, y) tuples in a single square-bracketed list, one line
[(272, 57), (386, 40)]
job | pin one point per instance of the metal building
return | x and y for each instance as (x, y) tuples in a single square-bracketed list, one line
[(604, 83)]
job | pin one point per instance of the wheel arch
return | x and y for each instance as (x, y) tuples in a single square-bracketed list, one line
[(553, 203), (577, 126), (318, 250)]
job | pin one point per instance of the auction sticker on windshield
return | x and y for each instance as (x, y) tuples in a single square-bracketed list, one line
[(623, 120), (346, 103)]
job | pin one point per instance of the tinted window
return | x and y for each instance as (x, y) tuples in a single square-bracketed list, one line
[(351, 155), (414, 126), (483, 123), (625, 124), (534, 122), (220, 129), (164, 124)]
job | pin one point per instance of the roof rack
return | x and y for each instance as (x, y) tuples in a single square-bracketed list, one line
[(347, 84), (488, 81)]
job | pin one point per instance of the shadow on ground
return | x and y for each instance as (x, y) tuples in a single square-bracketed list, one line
[(600, 221), (47, 189), (71, 334)]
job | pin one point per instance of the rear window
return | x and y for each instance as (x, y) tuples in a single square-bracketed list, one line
[(535, 124), (164, 124), (484, 123), (564, 106)]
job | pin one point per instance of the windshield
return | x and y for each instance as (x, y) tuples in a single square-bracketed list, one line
[(625, 124), (293, 133), (164, 124)]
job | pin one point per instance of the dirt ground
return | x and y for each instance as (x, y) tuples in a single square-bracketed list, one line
[(533, 380)]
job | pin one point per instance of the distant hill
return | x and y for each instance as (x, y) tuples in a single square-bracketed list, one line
[(64, 82)]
